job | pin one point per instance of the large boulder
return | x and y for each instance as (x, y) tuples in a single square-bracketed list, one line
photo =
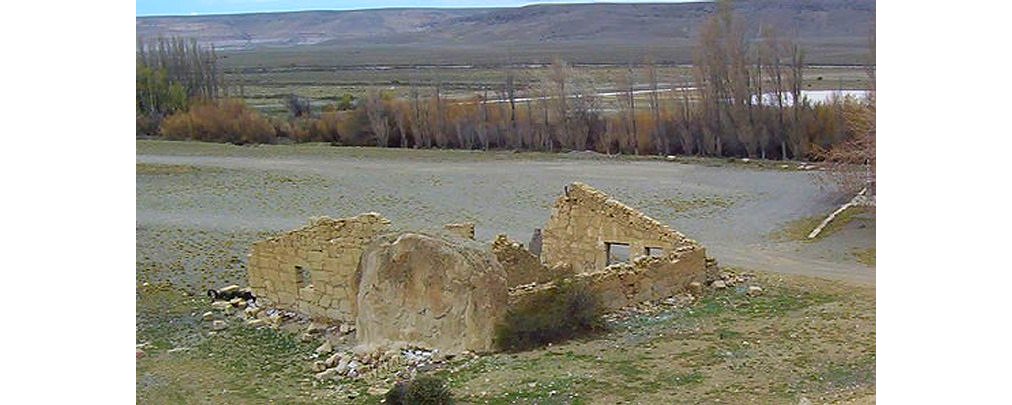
[(429, 291)]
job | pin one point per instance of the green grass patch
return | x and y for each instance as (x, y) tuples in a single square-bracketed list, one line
[(799, 229), (157, 169), (773, 302), (680, 379), (865, 256)]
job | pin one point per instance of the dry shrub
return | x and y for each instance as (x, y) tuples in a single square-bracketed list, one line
[(851, 163), (423, 390), (221, 121), (555, 315), (327, 127)]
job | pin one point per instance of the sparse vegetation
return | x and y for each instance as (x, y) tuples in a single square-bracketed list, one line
[(865, 256), (558, 314), (799, 229)]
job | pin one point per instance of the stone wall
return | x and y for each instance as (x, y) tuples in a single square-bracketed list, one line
[(311, 270), (522, 266), (584, 221), (645, 279)]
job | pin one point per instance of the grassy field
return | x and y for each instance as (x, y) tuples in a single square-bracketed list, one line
[(266, 88), (803, 338)]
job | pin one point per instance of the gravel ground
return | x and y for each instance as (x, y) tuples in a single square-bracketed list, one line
[(229, 196)]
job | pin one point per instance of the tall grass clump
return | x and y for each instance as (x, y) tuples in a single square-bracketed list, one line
[(226, 120), (568, 311)]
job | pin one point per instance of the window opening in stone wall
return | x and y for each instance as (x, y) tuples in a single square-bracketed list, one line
[(302, 276), (617, 252), (654, 252)]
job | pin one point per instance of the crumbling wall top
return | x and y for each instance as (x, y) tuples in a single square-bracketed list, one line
[(582, 194)]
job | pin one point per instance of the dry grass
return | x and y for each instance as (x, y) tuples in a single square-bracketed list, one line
[(865, 256), (153, 169), (799, 229)]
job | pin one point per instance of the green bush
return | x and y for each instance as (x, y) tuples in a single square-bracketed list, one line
[(555, 315), (423, 390)]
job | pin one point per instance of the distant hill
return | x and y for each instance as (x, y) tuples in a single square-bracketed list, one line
[(832, 31)]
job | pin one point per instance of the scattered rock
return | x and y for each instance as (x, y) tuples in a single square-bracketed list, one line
[(221, 305), (229, 289), (256, 323), (319, 366), (696, 288), (719, 285), (755, 290), (306, 338), (326, 374), (140, 353), (252, 312), (377, 390), (315, 327), (334, 360), (325, 348), (219, 324), (346, 328), (208, 316), (342, 367)]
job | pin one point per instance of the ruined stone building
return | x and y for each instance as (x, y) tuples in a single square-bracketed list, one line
[(447, 291)]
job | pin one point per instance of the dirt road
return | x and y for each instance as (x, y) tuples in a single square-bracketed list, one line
[(730, 209)]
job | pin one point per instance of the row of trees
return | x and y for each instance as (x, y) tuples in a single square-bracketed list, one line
[(743, 100), (747, 101), (171, 74)]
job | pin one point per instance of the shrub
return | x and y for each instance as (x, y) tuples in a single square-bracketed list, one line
[(298, 106), (396, 394), (327, 127), (221, 121), (423, 390), (562, 313)]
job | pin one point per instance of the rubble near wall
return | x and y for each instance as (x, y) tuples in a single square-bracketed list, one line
[(585, 221), (311, 270), (646, 279), (522, 266)]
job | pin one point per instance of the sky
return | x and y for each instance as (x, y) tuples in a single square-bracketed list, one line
[(204, 7)]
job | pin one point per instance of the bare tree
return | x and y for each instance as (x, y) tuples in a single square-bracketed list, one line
[(799, 145), (660, 141), (558, 74), (376, 109)]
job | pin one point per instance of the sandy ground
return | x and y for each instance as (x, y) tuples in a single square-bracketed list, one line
[(253, 191)]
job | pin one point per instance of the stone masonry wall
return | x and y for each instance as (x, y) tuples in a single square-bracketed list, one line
[(646, 279), (327, 251), (522, 266), (585, 220)]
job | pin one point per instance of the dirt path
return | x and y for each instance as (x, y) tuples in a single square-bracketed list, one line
[(731, 210)]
